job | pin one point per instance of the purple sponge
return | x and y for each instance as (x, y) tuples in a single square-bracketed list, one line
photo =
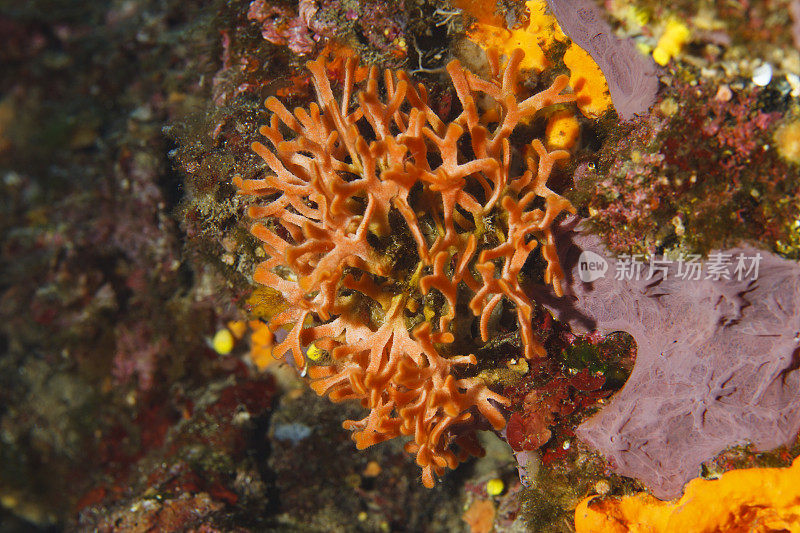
[(717, 362), (632, 78)]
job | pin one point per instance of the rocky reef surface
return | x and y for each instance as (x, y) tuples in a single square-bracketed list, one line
[(138, 391)]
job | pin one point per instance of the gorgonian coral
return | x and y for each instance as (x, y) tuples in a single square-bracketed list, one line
[(393, 237)]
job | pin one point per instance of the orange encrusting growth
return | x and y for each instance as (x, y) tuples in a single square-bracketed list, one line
[(588, 82), (750, 500), (379, 219), (537, 38)]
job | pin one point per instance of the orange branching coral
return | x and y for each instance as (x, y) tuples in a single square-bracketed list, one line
[(388, 230)]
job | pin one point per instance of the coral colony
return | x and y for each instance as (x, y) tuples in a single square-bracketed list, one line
[(392, 235)]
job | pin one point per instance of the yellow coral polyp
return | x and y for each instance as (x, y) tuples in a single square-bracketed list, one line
[(223, 342), (787, 141), (495, 487), (675, 37), (261, 343), (314, 353), (752, 500), (238, 328), (562, 131)]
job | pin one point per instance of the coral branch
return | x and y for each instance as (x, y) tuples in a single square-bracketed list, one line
[(377, 223)]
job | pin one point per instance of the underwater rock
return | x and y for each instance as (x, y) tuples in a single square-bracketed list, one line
[(716, 365)]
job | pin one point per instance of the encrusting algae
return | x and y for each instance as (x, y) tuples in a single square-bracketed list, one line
[(392, 235), (751, 500)]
